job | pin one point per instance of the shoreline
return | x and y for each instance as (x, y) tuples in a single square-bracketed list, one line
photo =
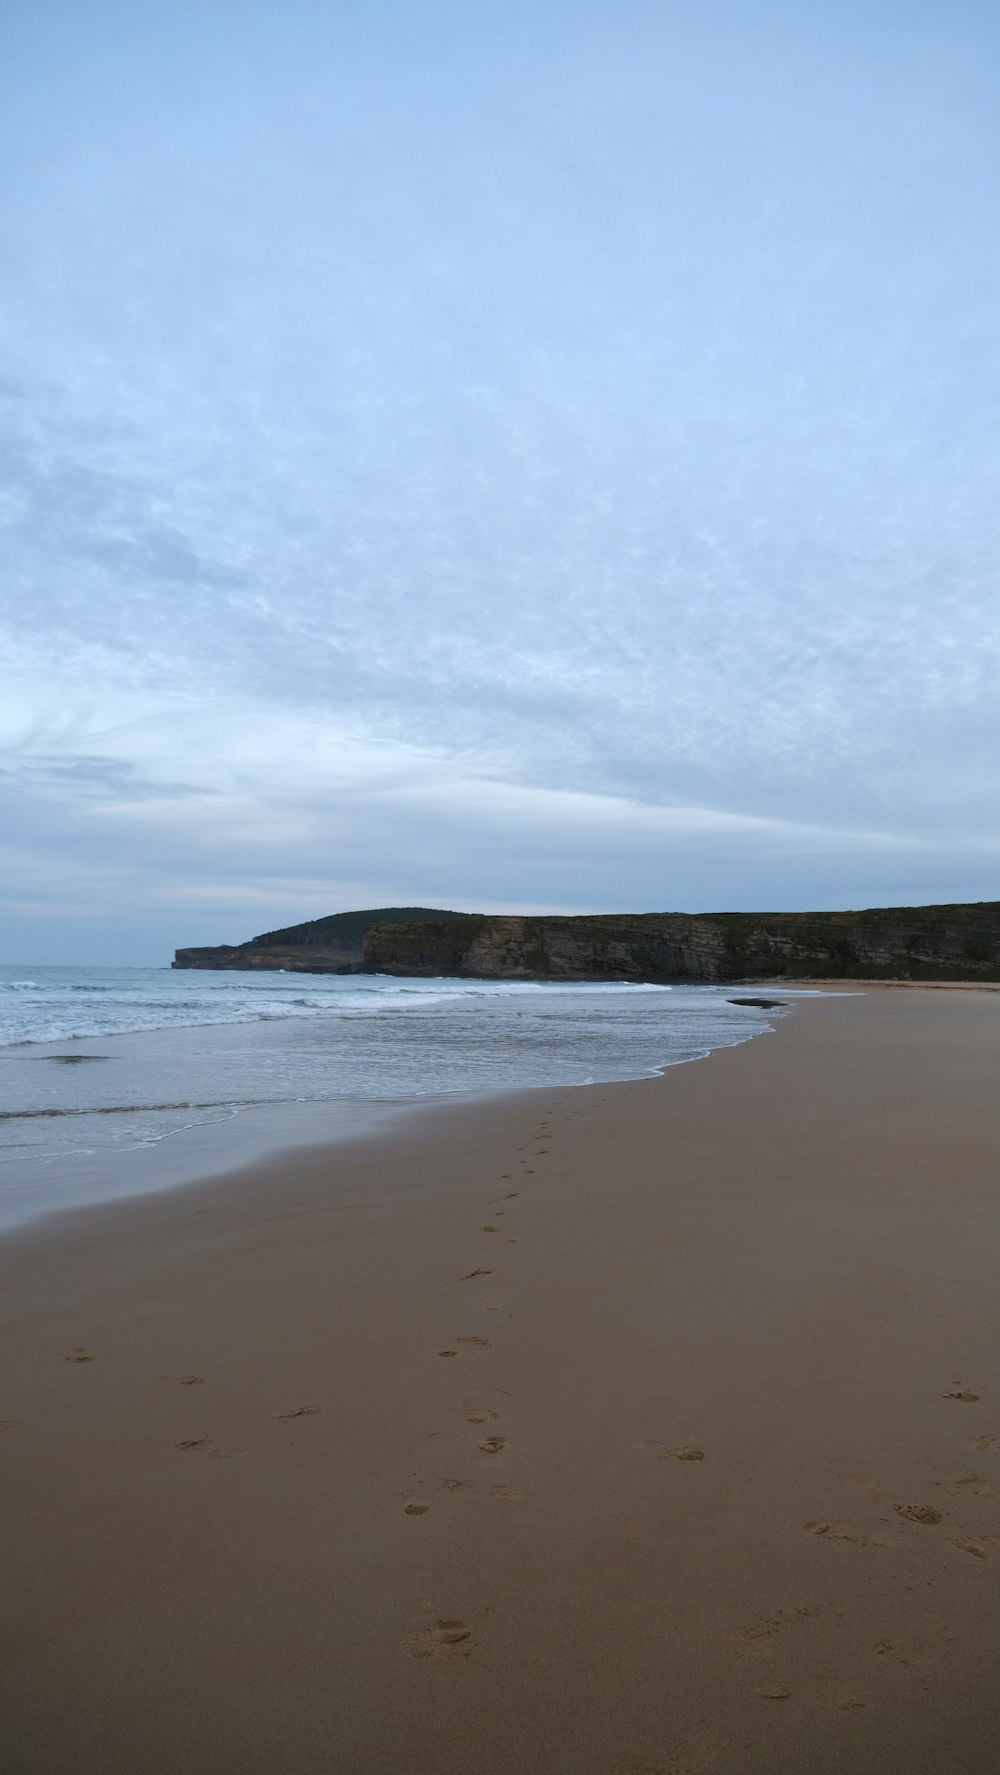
[(191, 1156), (888, 985), (37, 1183), (581, 1429)]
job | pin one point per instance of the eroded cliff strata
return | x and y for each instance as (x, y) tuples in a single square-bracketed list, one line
[(919, 943), (897, 943)]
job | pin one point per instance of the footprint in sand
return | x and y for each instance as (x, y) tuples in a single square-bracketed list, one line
[(687, 1452), (448, 1638), (192, 1442), (492, 1445), (754, 1639), (415, 1507), (925, 1513), (472, 1274), (987, 1445), (869, 1487), (756, 1636), (77, 1355), (962, 1393), (845, 1531), (511, 1194), (10, 1423), (487, 1229), (299, 1411), (901, 1648), (477, 1411), (968, 1485), (191, 1380), (481, 1343), (980, 1546), (773, 1692), (835, 1531), (507, 1493), (458, 1485)]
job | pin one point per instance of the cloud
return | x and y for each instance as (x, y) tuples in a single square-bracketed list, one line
[(576, 435)]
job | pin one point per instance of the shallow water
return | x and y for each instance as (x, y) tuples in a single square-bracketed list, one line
[(96, 1063)]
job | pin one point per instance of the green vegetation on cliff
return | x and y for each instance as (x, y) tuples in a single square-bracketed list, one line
[(348, 928)]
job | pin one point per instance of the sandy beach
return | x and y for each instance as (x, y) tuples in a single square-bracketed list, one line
[(641, 1429)]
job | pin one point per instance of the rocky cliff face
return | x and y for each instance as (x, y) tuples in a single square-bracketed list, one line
[(919, 943), (313, 958), (332, 945), (894, 943)]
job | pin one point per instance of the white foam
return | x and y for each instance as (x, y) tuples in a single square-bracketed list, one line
[(59, 1005), (175, 1047)]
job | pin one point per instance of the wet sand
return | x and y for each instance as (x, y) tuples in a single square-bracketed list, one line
[(647, 1429)]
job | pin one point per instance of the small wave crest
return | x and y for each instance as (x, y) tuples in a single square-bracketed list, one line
[(51, 1113), (73, 1004)]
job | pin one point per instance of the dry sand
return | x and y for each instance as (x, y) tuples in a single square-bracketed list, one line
[(638, 1430)]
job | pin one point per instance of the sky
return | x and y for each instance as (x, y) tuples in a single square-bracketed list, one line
[(523, 457)]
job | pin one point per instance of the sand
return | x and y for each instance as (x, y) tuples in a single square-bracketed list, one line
[(637, 1430)]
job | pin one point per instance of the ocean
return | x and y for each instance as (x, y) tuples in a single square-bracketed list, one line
[(114, 1081)]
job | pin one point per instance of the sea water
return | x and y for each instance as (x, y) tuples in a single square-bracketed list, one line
[(99, 1066)]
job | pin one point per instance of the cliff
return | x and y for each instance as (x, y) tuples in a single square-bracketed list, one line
[(899, 943), (888, 943), (333, 945)]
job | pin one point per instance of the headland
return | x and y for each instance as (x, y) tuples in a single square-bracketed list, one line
[(922, 943)]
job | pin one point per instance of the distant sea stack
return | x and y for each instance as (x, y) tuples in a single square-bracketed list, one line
[(957, 943)]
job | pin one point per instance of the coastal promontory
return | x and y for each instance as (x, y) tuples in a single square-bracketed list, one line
[(930, 943)]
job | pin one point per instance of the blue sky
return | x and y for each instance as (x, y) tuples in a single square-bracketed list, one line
[(538, 457)]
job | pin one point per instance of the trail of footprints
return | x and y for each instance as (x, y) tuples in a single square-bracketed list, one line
[(450, 1638), (194, 1444), (477, 1412), (902, 1649), (925, 1512), (188, 1444)]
